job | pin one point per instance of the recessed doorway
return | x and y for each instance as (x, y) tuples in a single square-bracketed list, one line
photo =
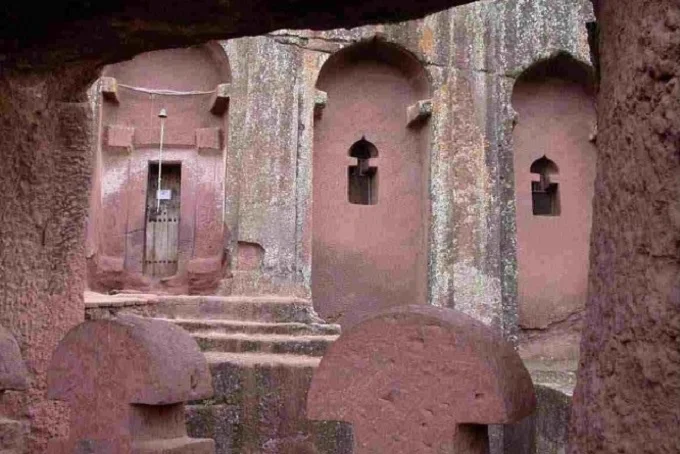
[(162, 220)]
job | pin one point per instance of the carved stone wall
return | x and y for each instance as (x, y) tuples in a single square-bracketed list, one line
[(628, 392), (188, 84), (467, 150)]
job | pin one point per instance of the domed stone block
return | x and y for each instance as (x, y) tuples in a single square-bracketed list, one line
[(126, 381), (421, 379)]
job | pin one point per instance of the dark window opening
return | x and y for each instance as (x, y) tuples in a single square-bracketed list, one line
[(362, 187), (362, 179), (544, 193)]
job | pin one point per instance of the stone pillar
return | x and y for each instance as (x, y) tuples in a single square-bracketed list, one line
[(45, 147), (628, 393)]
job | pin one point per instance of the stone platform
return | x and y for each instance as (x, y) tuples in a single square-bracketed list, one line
[(262, 353)]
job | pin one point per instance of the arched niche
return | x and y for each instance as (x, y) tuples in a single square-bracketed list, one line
[(369, 241), (544, 166), (554, 167), (363, 149), (176, 244)]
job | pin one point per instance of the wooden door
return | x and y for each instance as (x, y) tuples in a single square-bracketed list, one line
[(162, 221)]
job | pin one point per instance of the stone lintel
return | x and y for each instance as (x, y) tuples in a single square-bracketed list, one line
[(220, 100), (108, 87), (418, 112), (172, 138), (320, 102)]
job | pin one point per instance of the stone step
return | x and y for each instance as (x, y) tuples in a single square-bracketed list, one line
[(257, 309), (311, 345), (261, 386), (263, 309), (182, 445), (261, 360), (238, 378), (199, 326), (259, 407)]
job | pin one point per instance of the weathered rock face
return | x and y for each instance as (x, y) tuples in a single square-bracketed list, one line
[(468, 146), (45, 172), (47, 144), (119, 29), (13, 376), (545, 431), (628, 393), (12, 370), (445, 192), (46, 147)]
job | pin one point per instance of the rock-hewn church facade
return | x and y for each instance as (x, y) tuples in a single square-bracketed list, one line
[(364, 168)]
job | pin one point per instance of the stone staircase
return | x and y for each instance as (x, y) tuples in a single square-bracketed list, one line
[(262, 353)]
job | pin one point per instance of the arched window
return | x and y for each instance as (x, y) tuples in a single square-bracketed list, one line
[(362, 179), (544, 193)]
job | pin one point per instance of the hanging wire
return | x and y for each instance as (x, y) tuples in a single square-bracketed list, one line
[(161, 91)]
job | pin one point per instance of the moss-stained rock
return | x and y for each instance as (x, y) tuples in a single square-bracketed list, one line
[(472, 54)]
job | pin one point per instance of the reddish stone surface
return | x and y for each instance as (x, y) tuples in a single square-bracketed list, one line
[(13, 373), (45, 145), (13, 376), (556, 119), (192, 138), (209, 139), (126, 380), (250, 256), (120, 137), (369, 257), (421, 379), (627, 398)]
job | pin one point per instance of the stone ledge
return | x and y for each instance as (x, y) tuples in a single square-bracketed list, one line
[(220, 100)]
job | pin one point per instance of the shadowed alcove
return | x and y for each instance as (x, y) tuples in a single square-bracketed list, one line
[(545, 195), (370, 180), (151, 226), (362, 178), (554, 165)]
